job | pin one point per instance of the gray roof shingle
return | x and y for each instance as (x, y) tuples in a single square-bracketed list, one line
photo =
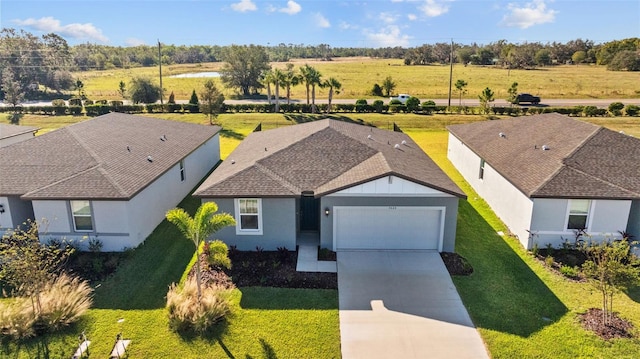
[(101, 158), (583, 160), (323, 157), (7, 131)]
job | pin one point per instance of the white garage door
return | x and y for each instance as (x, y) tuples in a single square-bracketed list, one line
[(388, 227)]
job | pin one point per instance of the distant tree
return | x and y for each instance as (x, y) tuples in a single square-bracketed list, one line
[(464, 55), (461, 87), (388, 85), (211, 100), (543, 57), (29, 266), (610, 268), (199, 227), (243, 67), (266, 78), (625, 61), (193, 100), (311, 78), (376, 90), (513, 93), (172, 98), (578, 57), (143, 90), (13, 92), (290, 79), (79, 86), (334, 86), (122, 90), (486, 97), (615, 108)]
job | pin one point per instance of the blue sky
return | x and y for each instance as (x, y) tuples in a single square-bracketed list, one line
[(339, 23)]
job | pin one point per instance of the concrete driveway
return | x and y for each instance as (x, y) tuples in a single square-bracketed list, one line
[(402, 304)]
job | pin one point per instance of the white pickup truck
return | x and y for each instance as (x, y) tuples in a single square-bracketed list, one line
[(403, 97)]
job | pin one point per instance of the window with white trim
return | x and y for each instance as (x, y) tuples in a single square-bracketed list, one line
[(248, 216), (182, 175), (578, 217), (82, 216), (481, 172)]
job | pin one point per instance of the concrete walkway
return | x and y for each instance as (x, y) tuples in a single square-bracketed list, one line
[(402, 304), (308, 255)]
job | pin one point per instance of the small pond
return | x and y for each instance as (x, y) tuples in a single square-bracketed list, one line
[(197, 75)]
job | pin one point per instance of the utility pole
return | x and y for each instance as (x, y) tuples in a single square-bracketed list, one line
[(160, 62), (450, 71)]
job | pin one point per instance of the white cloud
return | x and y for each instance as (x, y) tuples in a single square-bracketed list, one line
[(433, 8), (292, 8), (346, 26), (75, 30), (321, 21), (533, 13), (412, 17), (244, 6), (132, 41), (390, 36), (388, 18)]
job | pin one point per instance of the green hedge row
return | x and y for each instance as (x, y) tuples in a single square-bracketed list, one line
[(428, 107)]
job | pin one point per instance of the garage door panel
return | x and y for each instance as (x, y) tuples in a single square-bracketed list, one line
[(387, 227)]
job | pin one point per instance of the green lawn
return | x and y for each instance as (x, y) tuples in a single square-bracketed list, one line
[(522, 310)]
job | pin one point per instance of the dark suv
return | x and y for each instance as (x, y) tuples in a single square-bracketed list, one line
[(525, 97)]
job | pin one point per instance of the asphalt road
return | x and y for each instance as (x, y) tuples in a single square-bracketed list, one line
[(602, 103)]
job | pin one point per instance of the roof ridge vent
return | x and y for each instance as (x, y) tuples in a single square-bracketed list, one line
[(149, 158), (545, 148), (396, 146), (501, 134), (404, 142), (370, 137)]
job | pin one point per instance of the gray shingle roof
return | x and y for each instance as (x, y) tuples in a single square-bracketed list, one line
[(101, 158), (583, 160), (324, 157), (7, 131)]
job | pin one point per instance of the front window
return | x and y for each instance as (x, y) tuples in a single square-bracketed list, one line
[(82, 218), (578, 213), (249, 216)]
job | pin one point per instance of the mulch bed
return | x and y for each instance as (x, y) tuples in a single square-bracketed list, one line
[(265, 269), (456, 264), (618, 328)]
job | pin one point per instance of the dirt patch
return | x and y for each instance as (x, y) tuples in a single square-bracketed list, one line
[(265, 269), (617, 328), (456, 264)]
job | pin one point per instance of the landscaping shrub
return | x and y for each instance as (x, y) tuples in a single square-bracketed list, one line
[(615, 108), (64, 301), (116, 103), (155, 107), (97, 110), (75, 101), (58, 103), (75, 110), (570, 272), (412, 104), (174, 107), (187, 315), (428, 106), (191, 108), (361, 105), (632, 110), (16, 318), (378, 106), (218, 254)]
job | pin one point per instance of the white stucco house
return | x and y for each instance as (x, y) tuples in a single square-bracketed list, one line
[(10, 134), (111, 178), (348, 185), (548, 176)]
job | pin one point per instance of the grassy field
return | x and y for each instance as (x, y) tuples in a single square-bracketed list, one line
[(521, 309), (431, 82)]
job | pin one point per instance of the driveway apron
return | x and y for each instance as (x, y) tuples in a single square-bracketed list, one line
[(402, 304)]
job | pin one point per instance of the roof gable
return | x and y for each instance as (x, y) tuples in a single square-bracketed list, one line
[(321, 157), (109, 157)]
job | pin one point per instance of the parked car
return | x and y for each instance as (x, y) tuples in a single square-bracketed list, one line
[(525, 97), (403, 97)]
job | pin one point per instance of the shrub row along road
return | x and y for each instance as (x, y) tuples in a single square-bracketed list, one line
[(601, 103)]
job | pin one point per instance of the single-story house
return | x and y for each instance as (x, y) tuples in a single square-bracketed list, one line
[(357, 187), (548, 176), (111, 178), (10, 134)]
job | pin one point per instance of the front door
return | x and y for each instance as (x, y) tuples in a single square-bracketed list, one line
[(309, 213)]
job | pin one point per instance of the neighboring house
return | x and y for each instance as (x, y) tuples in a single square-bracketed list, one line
[(111, 178), (550, 175), (359, 187), (10, 134)]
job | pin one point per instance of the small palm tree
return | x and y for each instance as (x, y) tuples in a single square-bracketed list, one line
[(334, 87), (290, 79), (278, 79), (267, 79), (311, 78), (199, 227)]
